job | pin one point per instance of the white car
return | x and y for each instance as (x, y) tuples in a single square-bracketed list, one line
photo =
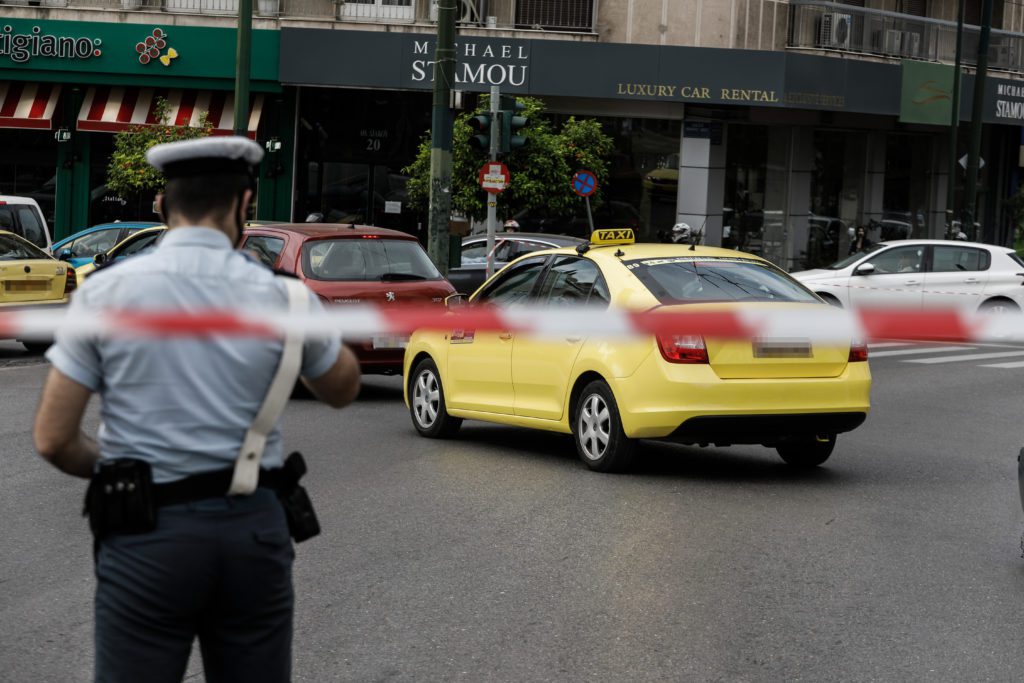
[(923, 273), (22, 216)]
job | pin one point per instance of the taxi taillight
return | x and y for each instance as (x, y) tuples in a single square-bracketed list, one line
[(683, 348), (71, 282), (858, 351)]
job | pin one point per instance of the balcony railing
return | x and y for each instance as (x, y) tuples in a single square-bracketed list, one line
[(845, 28), (551, 15)]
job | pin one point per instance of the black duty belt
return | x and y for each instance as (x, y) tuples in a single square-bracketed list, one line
[(212, 485)]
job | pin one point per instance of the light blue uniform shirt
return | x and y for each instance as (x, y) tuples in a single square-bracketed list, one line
[(183, 405)]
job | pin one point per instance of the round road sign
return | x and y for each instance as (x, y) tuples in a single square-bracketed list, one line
[(494, 177), (584, 183)]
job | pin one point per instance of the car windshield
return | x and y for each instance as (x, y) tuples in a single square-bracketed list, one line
[(370, 258), (13, 249), (690, 279), (853, 258)]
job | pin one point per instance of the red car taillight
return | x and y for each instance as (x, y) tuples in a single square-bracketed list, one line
[(858, 351), (71, 282), (683, 348)]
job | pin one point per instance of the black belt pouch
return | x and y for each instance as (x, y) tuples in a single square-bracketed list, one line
[(121, 499), (298, 508)]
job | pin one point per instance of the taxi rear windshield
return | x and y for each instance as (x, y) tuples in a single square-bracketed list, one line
[(13, 249), (357, 258), (685, 280)]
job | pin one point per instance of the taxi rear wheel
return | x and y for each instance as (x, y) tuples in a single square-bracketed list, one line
[(426, 403), (807, 452), (597, 430)]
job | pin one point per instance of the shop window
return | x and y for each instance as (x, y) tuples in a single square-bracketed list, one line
[(836, 195), (753, 216), (906, 196)]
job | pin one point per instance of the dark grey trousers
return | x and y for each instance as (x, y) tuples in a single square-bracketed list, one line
[(219, 569)]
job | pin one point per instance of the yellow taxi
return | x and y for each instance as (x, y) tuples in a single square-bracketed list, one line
[(31, 278), (133, 244), (790, 394)]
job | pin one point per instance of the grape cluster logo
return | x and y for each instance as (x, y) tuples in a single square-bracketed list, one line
[(153, 48)]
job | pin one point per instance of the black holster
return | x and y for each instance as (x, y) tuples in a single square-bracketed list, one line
[(298, 508)]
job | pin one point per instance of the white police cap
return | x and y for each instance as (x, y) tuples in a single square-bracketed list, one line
[(206, 156)]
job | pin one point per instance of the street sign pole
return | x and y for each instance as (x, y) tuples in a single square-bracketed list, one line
[(243, 57), (584, 184), (441, 138), (954, 125), (590, 216), (977, 113), (492, 199)]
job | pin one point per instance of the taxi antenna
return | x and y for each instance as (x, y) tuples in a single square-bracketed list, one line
[(694, 236)]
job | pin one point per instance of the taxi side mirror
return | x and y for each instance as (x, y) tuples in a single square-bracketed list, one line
[(99, 259), (454, 301), (65, 254), (865, 269)]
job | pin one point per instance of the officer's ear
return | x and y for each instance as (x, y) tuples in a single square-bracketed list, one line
[(158, 207), (243, 207)]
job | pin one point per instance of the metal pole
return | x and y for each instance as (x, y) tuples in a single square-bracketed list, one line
[(492, 199), (974, 144), (242, 67), (954, 125), (590, 216), (441, 137)]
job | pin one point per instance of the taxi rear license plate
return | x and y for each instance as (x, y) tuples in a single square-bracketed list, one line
[(390, 342), (27, 286)]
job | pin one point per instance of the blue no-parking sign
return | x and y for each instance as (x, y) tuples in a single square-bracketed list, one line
[(584, 183)]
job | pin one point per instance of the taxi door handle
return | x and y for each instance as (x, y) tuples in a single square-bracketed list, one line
[(505, 336), (573, 340), (971, 279), (912, 282)]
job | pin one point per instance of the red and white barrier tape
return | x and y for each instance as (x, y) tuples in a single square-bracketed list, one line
[(821, 323)]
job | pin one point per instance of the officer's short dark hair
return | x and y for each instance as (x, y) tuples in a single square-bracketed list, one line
[(197, 196)]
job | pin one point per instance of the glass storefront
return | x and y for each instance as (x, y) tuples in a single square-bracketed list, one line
[(754, 215), (908, 177), (837, 195), (352, 146), (27, 167)]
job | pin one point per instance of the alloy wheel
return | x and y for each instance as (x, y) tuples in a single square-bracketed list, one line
[(594, 427), (426, 399)]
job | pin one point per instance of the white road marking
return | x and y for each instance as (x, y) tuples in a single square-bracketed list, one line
[(1017, 364), (919, 351), (969, 356), (888, 345)]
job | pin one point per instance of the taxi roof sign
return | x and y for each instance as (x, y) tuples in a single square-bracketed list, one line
[(613, 236)]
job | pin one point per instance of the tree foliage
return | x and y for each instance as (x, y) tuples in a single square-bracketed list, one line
[(541, 170), (128, 172)]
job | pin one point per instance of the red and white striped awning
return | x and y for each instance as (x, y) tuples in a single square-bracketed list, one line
[(28, 105), (111, 109)]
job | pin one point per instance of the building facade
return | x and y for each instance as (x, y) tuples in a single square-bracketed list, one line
[(772, 126)]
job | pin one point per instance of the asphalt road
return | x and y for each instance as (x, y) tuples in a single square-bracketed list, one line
[(498, 557)]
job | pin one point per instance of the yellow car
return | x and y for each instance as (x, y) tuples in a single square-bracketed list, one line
[(31, 278), (129, 246), (788, 394)]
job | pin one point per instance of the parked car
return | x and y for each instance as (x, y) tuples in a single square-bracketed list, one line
[(23, 217), (611, 214), (508, 246), (80, 248), (136, 243), (922, 273), (347, 264), (31, 278)]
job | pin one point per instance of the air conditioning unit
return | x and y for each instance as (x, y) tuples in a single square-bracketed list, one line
[(834, 30), (466, 13), (892, 43), (911, 44)]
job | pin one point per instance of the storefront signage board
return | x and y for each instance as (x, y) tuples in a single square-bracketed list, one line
[(167, 50), (926, 93), (402, 61)]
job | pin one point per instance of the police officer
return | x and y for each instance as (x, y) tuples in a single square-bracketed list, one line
[(214, 566)]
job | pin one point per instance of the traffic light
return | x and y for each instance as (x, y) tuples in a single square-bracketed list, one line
[(482, 124), (511, 122)]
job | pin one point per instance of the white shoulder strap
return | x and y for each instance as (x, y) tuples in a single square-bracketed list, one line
[(247, 465)]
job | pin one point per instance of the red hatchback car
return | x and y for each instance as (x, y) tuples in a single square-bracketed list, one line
[(349, 264)]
